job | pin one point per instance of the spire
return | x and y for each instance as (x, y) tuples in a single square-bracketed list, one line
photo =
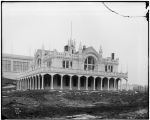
[(100, 50), (42, 46), (71, 31)]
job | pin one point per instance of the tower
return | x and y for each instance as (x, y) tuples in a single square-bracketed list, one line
[(71, 44)]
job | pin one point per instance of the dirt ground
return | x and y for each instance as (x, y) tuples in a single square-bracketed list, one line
[(75, 105)]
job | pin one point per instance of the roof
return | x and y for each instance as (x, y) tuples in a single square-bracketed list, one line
[(5, 55)]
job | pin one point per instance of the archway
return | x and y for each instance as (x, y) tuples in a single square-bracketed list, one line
[(82, 82), (56, 81), (75, 82), (97, 83), (90, 82), (66, 81), (111, 84), (105, 83), (47, 81), (117, 83)]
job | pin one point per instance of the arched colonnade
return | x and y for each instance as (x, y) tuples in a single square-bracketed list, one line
[(68, 82)]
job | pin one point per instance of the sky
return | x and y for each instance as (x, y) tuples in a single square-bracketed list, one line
[(28, 26)]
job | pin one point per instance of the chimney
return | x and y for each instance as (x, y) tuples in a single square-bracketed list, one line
[(84, 47), (112, 56)]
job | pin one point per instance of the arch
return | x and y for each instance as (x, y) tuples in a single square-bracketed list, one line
[(83, 82), (40, 77), (89, 63), (105, 83), (74, 82), (47, 81), (66, 81), (57, 81), (39, 61), (90, 82), (97, 83), (111, 83), (117, 83), (37, 81)]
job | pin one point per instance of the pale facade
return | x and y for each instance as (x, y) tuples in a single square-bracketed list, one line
[(84, 69), (12, 65)]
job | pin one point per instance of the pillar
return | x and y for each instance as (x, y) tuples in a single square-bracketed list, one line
[(30, 83), (70, 83), (78, 82), (108, 84), (101, 83), (114, 84), (86, 83), (94, 84), (39, 82), (121, 84), (61, 86), (42, 82), (35, 82), (126, 85), (52, 82)]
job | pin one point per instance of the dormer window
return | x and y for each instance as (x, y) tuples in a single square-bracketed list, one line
[(89, 63)]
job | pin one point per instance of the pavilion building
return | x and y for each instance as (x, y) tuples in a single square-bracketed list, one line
[(85, 69)]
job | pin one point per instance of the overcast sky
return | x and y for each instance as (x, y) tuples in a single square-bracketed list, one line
[(26, 26)]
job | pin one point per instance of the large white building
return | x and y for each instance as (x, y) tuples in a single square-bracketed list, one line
[(82, 69), (12, 65)]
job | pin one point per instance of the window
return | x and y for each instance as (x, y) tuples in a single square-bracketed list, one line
[(63, 64), (67, 64), (105, 68), (71, 63), (111, 68), (39, 62), (6, 65), (89, 63), (48, 63)]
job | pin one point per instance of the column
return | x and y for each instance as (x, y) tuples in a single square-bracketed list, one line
[(114, 84), (101, 83), (42, 82), (52, 87), (39, 82), (87, 83), (30, 83), (126, 85), (94, 84), (108, 84), (35, 82), (25, 84), (17, 86), (20, 84), (70, 82), (120, 84), (61, 86), (78, 82)]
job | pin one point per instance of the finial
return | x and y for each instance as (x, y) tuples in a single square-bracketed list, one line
[(71, 30), (42, 46)]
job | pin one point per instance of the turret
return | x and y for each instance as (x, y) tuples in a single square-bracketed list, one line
[(100, 51)]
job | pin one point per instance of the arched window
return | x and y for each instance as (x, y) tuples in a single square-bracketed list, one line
[(89, 63), (39, 62)]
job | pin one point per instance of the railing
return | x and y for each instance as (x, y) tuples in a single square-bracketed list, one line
[(72, 71)]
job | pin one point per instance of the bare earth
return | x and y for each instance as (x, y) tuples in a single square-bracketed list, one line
[(75, 105)]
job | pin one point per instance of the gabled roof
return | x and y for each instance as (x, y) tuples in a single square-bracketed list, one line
[(90, 49)]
